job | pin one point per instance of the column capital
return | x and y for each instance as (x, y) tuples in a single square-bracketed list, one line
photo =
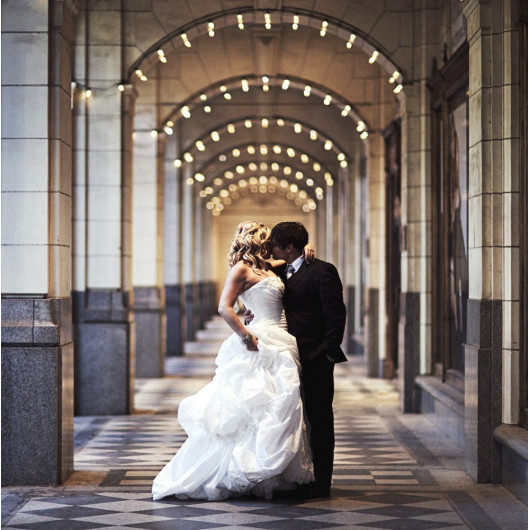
[(478, 16), (73, 5)]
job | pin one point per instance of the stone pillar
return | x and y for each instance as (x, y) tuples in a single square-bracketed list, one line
[(414, 355), (103, 298), (200, 243), (172, 255), (189, 249), (329, 223), (149, 292), (491, 353), (375, 326), (37, 348), (414, 326)]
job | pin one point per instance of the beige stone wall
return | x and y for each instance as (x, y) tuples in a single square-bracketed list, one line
[(494, 151), (36, 151)]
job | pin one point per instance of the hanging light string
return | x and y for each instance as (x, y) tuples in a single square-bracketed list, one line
[(266, 83), (284, 16)]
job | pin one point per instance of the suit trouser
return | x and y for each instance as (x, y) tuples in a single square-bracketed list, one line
[(318, 388)]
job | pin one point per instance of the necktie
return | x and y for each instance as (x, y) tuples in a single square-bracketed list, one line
[(289, 272)]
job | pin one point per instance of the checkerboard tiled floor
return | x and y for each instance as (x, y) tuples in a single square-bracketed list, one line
[(392, 471)]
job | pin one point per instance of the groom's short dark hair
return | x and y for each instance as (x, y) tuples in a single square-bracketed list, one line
[(289, 232)]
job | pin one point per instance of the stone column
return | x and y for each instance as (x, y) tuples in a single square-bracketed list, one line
[(414, 355), (414, 327), (149, 293), (353, 251), (189, 249), (103, 301), (492, 348), (375, 340), (200, 240), (329, 223), (37, 356), (172, 254)]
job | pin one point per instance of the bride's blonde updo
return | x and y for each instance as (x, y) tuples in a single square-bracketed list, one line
[(248, 245)]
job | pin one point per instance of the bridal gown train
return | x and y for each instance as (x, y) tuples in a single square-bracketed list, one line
[(246, 428)]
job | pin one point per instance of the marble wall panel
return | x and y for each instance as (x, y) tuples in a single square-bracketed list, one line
[(104, 65), (105, 26), (104, 167), (31, 15), (23, 114), (62, 206), (23, 55), (25, 269), (104, 237), (104, 272), (510, 385), (104, 203), (104, 132), (104, 103), (511, 157), (61, 166), (24, 218), (24, 164), (511, 276)]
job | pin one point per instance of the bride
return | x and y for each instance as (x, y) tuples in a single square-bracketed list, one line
[(246, 429)]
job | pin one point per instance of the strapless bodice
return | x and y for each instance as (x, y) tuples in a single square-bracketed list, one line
[(264, 299)]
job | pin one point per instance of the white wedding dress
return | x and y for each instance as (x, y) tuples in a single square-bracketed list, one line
[(246, 428)]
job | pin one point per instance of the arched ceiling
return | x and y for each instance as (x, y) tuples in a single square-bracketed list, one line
[(202, 90)]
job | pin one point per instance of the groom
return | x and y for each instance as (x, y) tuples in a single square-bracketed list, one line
[(316, 316)]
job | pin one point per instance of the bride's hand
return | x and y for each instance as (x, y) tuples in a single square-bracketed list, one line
[(309, 253), (252, 345)]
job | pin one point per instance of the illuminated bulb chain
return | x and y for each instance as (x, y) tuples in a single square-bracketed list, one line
[(240, 23), (211, 29), (185, 40), (296, 22)]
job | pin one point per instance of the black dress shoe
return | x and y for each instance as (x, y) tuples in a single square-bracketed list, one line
[(318, 493)]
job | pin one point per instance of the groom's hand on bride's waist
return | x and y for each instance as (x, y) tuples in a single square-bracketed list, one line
[(249, 316)]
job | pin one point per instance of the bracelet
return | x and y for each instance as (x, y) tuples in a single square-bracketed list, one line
[(247, 338)]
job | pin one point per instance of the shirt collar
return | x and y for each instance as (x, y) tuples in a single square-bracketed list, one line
[(297, 263)]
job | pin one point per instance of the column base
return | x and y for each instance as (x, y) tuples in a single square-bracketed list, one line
[(483, 389), (512, 441), (191, 310), (104, 353), (409, 351), (174, 321), (149, 318), (37, 392), (372, 339)]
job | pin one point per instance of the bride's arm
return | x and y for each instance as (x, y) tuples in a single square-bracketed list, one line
[(309, 257), (234, 286)]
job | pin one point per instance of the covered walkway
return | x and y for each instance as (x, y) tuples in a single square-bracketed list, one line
[(392, 470)]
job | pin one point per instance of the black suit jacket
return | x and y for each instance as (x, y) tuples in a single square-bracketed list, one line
[(315, 310)]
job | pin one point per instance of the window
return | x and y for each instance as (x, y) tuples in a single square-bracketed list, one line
[(450, 263)]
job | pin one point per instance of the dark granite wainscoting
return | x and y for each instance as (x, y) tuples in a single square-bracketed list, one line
[(149, 317), (104, 339), (191, 310), (372, 339), (512, 442), (409, 351), (483, 389), (174, 320), (37, 391)]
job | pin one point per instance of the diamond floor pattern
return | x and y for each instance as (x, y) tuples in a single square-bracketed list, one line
[(392, 470)]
